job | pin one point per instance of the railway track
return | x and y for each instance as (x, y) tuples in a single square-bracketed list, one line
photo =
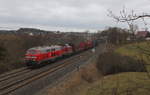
[(15, 73), (17, 80), (12, 72)]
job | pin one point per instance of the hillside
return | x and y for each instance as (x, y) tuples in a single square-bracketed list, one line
[(123, 73), (128, 83)]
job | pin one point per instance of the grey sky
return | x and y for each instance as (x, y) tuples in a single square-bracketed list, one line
[(66, 14)]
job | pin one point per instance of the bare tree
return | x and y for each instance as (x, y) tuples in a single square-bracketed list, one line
[(115, 35), (129, 18)]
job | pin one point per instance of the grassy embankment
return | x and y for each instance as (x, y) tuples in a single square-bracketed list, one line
[(126, 83), (117, 72)]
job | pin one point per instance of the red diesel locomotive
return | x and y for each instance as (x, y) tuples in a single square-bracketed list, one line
[(39, 55)]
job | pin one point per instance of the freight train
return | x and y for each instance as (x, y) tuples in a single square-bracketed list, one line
[(40, 55)]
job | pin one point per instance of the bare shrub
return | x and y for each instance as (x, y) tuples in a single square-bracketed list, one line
[(77, 81), (87, 77), (111, 63), (90, 72)]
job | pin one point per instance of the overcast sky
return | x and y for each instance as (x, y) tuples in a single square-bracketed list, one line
[(66, 14)]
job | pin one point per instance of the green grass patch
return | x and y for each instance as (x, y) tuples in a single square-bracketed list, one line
[(133, 83)]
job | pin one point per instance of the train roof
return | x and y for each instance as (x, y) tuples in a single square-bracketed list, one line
[(46, 47)]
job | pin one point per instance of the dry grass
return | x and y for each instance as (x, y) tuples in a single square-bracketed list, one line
[(89, 80), (76, 82), (131, 83)]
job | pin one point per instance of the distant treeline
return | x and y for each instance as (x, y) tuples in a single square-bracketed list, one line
[(14, 46)]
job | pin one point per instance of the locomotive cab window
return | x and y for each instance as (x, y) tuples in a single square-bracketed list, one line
[(48, 50), (53, 49)]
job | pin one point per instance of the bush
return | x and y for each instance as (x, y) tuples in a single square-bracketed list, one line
[(111, 63), (2, 52)]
